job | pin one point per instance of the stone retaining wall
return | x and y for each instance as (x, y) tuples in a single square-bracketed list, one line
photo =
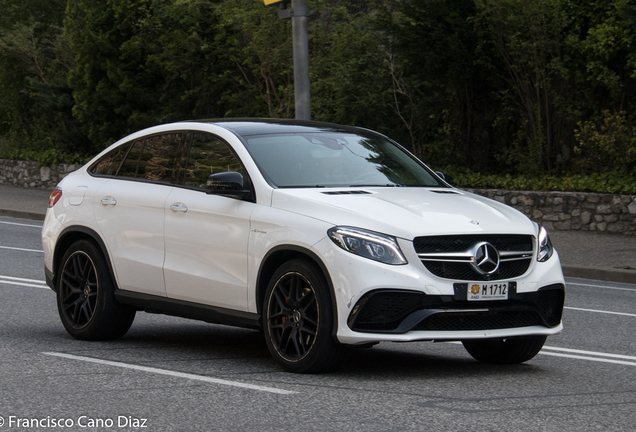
[(555, 210), (27, 174), (572, 210)]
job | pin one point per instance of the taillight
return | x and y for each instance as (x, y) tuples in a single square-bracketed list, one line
[(55, 196)]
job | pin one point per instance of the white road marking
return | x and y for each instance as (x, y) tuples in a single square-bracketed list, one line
[(20, 224), (172, 373), (22, 279), (3, 282), (21, 249), (594, 353), (600, 311), (602, 286), (598, 355), (589, 358), (10, 280)]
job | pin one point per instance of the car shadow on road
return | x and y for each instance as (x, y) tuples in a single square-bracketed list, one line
[(165, 340)]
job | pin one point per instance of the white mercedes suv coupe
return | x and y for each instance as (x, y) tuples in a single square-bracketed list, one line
[(320, 235)]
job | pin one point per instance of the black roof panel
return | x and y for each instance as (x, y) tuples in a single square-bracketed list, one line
[(256, 126)]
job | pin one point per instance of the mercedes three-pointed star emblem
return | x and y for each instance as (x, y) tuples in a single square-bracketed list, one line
[(485, 258)]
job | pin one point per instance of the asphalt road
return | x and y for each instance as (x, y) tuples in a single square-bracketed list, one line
[(170, 374)]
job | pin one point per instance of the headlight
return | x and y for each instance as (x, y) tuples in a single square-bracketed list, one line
[(368, 244), (545, 246)]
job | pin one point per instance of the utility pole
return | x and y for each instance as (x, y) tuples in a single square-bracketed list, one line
[(298, 13), (302, 94)]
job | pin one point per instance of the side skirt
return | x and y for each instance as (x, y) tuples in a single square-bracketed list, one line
[(179, 308)]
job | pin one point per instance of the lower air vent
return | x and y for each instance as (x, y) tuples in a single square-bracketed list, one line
[(401, 311), (479, 321)]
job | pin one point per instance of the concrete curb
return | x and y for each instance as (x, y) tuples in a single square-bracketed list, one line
[(603, 274), (22, 215)]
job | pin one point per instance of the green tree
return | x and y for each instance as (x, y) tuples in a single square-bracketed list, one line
[(141, 63), (527, 37), (35, 102)]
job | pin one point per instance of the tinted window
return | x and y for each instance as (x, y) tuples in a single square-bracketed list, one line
[(180, 161), (209, 155), (161, 157), (110, 163), (129, 167)]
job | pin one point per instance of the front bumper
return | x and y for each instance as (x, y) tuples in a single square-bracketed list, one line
[(433, 307), (399, 311)]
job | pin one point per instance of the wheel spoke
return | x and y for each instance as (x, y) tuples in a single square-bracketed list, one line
[(85, 311), (302, 348), (285, 337), (308, 331), (66, 299), (70, 286), (87, 270), (310, 321), (72, 275), (294, 338), (76, 312), (294, 283), (89, 308), (77, 266), (311, 300), (275, 316), (280, 301)]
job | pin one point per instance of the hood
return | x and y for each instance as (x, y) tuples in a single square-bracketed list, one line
[(405, 212)]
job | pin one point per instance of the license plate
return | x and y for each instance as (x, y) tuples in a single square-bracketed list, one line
[(488, 291)]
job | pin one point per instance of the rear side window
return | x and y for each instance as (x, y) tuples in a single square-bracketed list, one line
[(129, 167), (109, 164), (209, 155), (161, 158)]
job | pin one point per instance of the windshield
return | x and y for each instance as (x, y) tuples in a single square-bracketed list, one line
[(336, 159)]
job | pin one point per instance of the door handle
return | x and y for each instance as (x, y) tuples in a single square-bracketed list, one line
[(182, 208), (109, 201)]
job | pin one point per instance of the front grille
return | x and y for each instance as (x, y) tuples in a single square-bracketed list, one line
[(465, 271), (460, 243), (449, 257), (400, 311)]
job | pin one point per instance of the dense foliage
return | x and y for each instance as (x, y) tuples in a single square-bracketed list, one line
[(501, 93)]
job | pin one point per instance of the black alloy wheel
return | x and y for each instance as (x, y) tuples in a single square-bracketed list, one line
[(78, 289), (293, 316), (298, 319), (85, 295)]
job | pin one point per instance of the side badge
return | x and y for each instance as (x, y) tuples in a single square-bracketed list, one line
[(474, 222)]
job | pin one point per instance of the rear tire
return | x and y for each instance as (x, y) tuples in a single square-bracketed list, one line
[(85, 296), (504, 351), (298, 319)]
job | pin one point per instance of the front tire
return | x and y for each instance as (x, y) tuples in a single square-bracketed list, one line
[(298, 319), (85, 296), (505, 351)]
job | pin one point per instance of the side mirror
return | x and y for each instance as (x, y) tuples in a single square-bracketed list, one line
[(229, 183), (446, 177)]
